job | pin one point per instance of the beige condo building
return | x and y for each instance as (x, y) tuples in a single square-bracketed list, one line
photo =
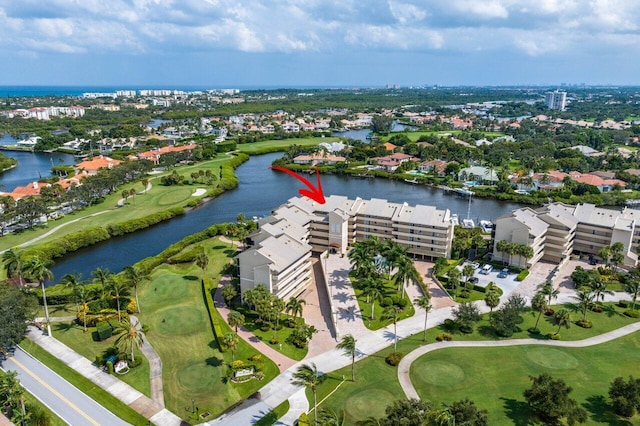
[(557, 230), (280, 250)]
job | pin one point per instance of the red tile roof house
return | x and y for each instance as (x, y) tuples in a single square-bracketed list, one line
[(318, 158), (391, 162), (155, 154), (92, 166), (604, 185), (438, 165)]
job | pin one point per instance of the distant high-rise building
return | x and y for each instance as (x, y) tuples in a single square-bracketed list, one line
[(556, 100)]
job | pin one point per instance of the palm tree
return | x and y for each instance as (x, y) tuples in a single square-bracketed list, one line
[(617, 254), (562, 318), (82, 297), (361, 259), (307, 375), (467, 272), (605, 254), (72, 281), (633, 288), (539, 305), (492, 300), (547, 289), (145, 184), (228, 293), (129, 336), (102, 275), (391, 313), (295, 307), (40, 271), (230, 341), (425, 303), (118, 288), (598, 287), (13, 264), (374, 291), (134, 275), (348, 346), (235, 319), (202, 260), (454, 279), (406, 273), (585, 300)]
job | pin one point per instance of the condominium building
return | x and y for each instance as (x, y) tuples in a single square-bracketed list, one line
[(557, 230), (303, 226), (556, 100)]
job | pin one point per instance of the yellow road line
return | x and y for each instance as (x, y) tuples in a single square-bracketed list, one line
[(55, 392)]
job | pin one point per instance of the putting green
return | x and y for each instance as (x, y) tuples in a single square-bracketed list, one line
[(174, 196), (440, 373), (555, 359), (198, 377), (170, 287), (368, 402), (179, 320)]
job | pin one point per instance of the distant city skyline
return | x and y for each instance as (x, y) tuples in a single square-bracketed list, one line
[(319, 43)]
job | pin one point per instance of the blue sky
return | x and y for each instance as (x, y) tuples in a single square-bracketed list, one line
[(318, 42)]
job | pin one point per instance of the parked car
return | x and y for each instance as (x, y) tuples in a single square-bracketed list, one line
[(475, 265), (504, 273), (486, 269), (473, 280), (593, 260)]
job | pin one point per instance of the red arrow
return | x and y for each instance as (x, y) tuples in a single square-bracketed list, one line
[(314, 193)]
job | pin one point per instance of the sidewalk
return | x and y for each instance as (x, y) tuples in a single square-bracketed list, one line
[(155, 366), (125, 393)]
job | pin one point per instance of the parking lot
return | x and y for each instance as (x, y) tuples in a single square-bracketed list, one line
[(507, 284)]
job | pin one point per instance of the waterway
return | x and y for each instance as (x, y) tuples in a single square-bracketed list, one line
[(259, 192), (31, 166)]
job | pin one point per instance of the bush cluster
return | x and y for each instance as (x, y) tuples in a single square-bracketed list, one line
[(394, 358), (187, 256), (633, 313), (522, 275), (553, 336), (444, 337)]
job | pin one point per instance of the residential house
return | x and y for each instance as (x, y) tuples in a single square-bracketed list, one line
[(92, 166), (391, 162), (318, 158), (479, 174), (436, 166)]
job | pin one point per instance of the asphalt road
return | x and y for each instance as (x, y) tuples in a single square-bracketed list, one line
[(69, 403)]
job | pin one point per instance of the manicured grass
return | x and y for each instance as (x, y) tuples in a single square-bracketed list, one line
[(273, 415), (103, 398), (390, 291), (68, 309), (448, 375), (72, 335), (281, 144), (377, 381), (283, 334), (160, 198), (414, 136), (180, 331)]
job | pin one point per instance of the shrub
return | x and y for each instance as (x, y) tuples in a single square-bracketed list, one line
[(278, 327), (623, 304), (274, 340), (256, 358), (584, 323), (187, 256), (553, 336), (633, 313), (237, 363), (400, 301), (444, 337), (265, 327), (132, 306), (135, 363), (394, 358), (146, 328), (533, 330), (303, 420), (466, 328), (387, 301), (104, 330), (522, 275), (110, 367)]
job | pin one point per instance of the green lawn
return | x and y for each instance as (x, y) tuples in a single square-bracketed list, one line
[(377, 381), (107, 400), (180, 331), (283, 334), (273, 415), (72, 335), (414, 136), (390, 291), (495, 378), (281, 144), (160, 198)]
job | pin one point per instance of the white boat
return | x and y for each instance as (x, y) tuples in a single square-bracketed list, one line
[(412, 181), (464, 191), (454, 219), (486, 226), (468, 223)]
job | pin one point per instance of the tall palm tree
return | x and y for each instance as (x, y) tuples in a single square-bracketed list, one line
[(361, 259), (425, 303), (39, 270), (562, 318), (118, 288), (598, 287), (72, 281), (129, 336), (83, 296), (391, 313), (348, 346), (102, 275), (295, 307), (374, 291), (539, 305), (13, 264), (307, 375), (135, 276), (202, 260), (467, 272), (145, 184), (230, 341), (585, 300), (632, 287), (547, 289), (454, 279), (492, 300), (406, 272)]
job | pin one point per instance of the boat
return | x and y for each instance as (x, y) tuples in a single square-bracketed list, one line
[(486, 225), (454, 220), (412, 181), (468, 223), (464, 191)]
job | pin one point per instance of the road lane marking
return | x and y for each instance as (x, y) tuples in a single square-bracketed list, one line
[(55, 392)]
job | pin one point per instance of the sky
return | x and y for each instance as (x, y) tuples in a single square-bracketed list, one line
[(325, 43)]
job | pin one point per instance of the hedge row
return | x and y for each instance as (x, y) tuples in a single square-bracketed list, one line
[(69, 243), (134, 225), (215, 326)]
